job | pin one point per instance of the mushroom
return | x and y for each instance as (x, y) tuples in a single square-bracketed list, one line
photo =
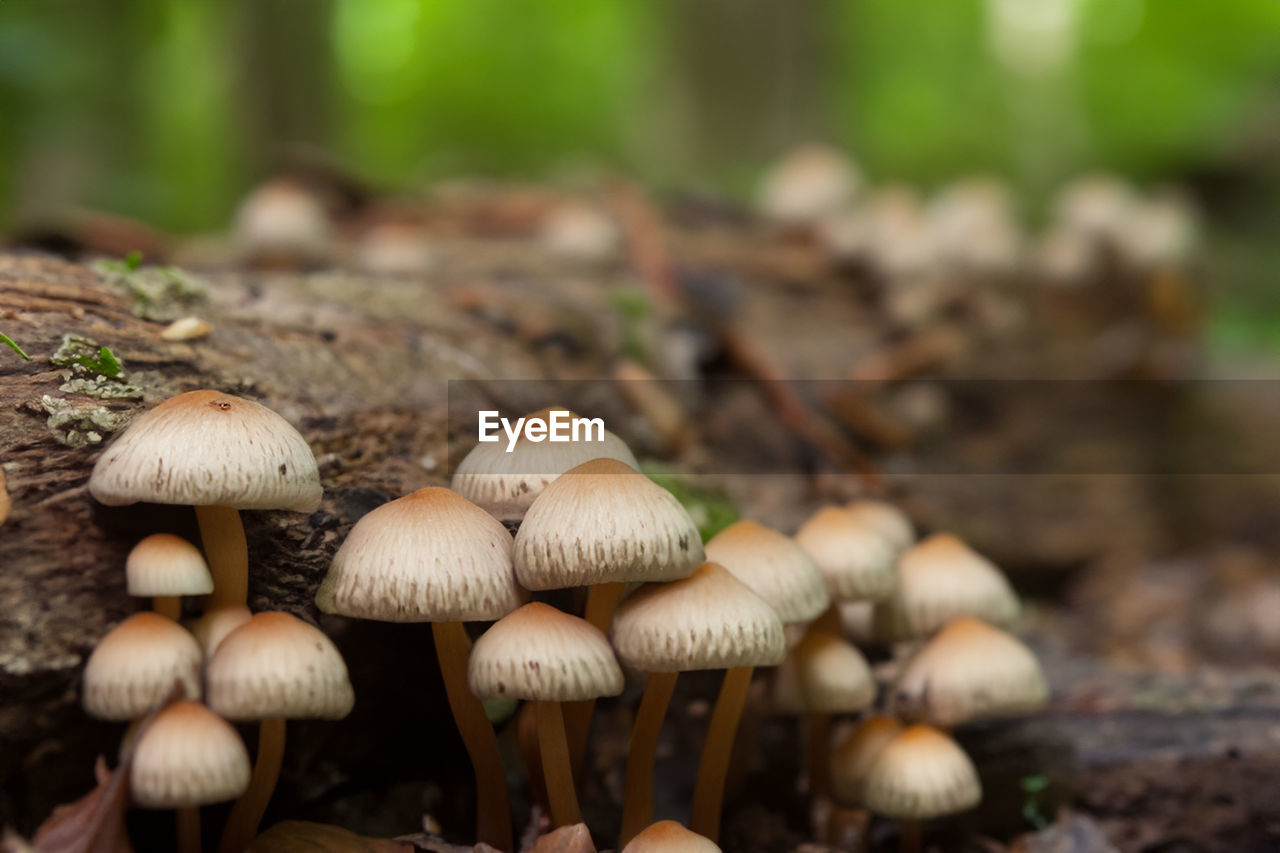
[(709, 620), (433, 556), (134, 668), (540, 654), (886, 519), (213, 627), (165, 568), (920, 774), (855, 558), (969, 670), (186, 758), (272, 668), (218, 453), (849, 764), (506, 483), (667, 836), (941, 578), (809, 183)]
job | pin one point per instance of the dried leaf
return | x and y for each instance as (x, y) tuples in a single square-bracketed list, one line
[(299, 836), (95, 822)]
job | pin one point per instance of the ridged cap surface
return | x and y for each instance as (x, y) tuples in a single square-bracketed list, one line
[(921, 774), (134, 668), (541, 653), (206, 448), (276, 665), (709, 620), (772, 566), (604, 521), (667, 836), (823, 674), (188, 756), (430, 556), (855, 559), (855, 753), (506, 484), (886, 519), (163, 564)]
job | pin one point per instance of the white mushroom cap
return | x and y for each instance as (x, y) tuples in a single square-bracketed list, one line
[(969, 670), (772, 566), (939, 579), (277, 666), (188, 756), (538, 652), (281, 218), (163, 565), (430, 556), (134, 668), (809, 183), (206, 448), (855, 753), (854, 557), (213, 627), (667, 836), (604, 521), (886, 519), (823, 674), (506, 484), (921, 774), (709, 620)]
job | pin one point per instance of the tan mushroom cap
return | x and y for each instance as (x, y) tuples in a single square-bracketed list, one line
[(163, 564), (939, 579), (506, 484), (206, 448), (188, 756), (430, 556), (709, 620), (921, 774), (855, 559), (667, 836), (969, 670), (886, 519), (772, 566), (823, 674), (134, 668), (277, 666), (855, 753), (604, 521), (538, 652), (213, 627)]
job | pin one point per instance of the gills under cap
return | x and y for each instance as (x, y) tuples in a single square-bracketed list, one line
[(188, 756), (134, 668), (206, 448), (430, 556), (164, 565), (855, 559), (277, 666), (506, 484), (772, 566), (855, 753), (921, 774), (667, 836), (541, 653), (602, 522), (709, 620)]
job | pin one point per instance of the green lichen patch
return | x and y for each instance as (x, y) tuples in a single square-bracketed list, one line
[(92, 370), (157, 293), (77, 424)]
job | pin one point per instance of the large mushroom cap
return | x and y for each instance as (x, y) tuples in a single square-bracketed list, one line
[(667, 836), (886, 519), (823, 674), (855, 753), (969, 670), (855, 559), (939, 579), (430, 556), (206, 448), (538, 652), (277, 666), (134, 668), (164, 564), (772, 566), (506, 484), (709, 620), (601, 522), (188, 756), (921, 774)]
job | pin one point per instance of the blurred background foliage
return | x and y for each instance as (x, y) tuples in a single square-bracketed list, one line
[(168, 110)]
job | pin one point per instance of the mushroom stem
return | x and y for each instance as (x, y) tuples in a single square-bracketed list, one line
[(910, 839), (819, 756), (527, 734), (828, 622), (227, 553), (555, 764), (637, 810), (188, 818), (168, 605), (246, 814), (708, 791), (493, 815), (602, 600)]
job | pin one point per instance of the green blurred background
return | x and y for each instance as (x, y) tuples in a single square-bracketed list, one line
[(168, 110)]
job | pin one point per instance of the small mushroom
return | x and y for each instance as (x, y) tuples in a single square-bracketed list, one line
[(772, 566), (213, 627), (134, 668), (855, 558), (667, 836), (850, 762), (165, 567), (886, 519), (186, 329)]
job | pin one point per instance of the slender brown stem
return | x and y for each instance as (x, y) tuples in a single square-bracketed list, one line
[(168, 605), (246, 814), (708, 791), (828, 622), (910, 840), (555, 764), (493, 814), (227, 553), (188, 819), (637, 809), (527, 734), (602, 600), (819, 756)]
